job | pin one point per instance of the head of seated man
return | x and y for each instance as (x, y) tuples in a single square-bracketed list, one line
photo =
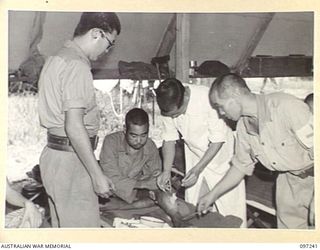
[(136, 129)]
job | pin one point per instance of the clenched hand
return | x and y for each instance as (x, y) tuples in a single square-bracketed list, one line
[(103, 186)]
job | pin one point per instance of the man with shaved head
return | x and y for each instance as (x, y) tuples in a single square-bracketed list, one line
[(276, 130)]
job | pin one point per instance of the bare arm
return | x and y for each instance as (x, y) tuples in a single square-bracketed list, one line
[(80, 141), (232, 178), (193, 175), (168, 153)]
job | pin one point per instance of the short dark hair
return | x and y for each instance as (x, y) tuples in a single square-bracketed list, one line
[(170, 94), (107, 21), (229, 85), (136, 116)]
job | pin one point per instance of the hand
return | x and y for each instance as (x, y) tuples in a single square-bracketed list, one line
[(311, 213), (191, 177), (164, 181), (103, 186), (32, 216), (205, 202)]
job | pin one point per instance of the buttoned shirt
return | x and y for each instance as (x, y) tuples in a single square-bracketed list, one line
[(124, 169), (284, 140), (66, 83)]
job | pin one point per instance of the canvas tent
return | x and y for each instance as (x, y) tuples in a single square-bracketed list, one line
[(225, 37)]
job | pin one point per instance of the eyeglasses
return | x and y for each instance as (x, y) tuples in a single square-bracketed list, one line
[(111, 44)]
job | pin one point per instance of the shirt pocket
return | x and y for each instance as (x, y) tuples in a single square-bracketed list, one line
[(290, 150)]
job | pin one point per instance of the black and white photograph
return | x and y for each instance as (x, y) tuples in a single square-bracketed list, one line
[(160, 120)]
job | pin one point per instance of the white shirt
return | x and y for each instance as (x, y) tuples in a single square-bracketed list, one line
[(199, 126)]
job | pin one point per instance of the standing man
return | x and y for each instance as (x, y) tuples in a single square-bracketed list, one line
[(277, 130), (67, 108), (209, 144), (130, 158)]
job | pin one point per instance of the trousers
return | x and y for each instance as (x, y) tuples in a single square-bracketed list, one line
[(293, 196), (72, 200)]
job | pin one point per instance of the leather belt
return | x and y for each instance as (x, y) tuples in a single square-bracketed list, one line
[(62, 143), (305, 173)]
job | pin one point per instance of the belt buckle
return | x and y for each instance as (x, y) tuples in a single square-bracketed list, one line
[(303, 175)]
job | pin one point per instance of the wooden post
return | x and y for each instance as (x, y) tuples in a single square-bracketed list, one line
[(252, 44), (182, 47), (168, 38)]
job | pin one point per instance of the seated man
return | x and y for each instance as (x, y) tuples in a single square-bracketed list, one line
[(131, 159)]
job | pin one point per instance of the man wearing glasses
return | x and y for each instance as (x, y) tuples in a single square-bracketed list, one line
[(68, 110)]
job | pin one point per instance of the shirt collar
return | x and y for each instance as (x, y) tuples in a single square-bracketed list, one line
[(73, 45), (263, 115)]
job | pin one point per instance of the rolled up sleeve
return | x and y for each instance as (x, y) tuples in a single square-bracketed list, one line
[(168, 129), (77, 87), (299, 119), (242, 159)]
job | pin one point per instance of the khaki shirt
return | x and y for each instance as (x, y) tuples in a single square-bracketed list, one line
[(124, 169), (285, 138), (66, 83)]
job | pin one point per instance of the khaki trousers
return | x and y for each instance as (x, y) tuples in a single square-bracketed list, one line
[(72, 200), (293, 196)]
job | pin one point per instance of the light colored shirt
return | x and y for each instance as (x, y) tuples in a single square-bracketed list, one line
[(126, 170), (66, 83), (285, 138), (199, 126)]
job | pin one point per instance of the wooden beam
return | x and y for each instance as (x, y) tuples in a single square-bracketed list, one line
[(168, 38), (182, 47), (253, 43)]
